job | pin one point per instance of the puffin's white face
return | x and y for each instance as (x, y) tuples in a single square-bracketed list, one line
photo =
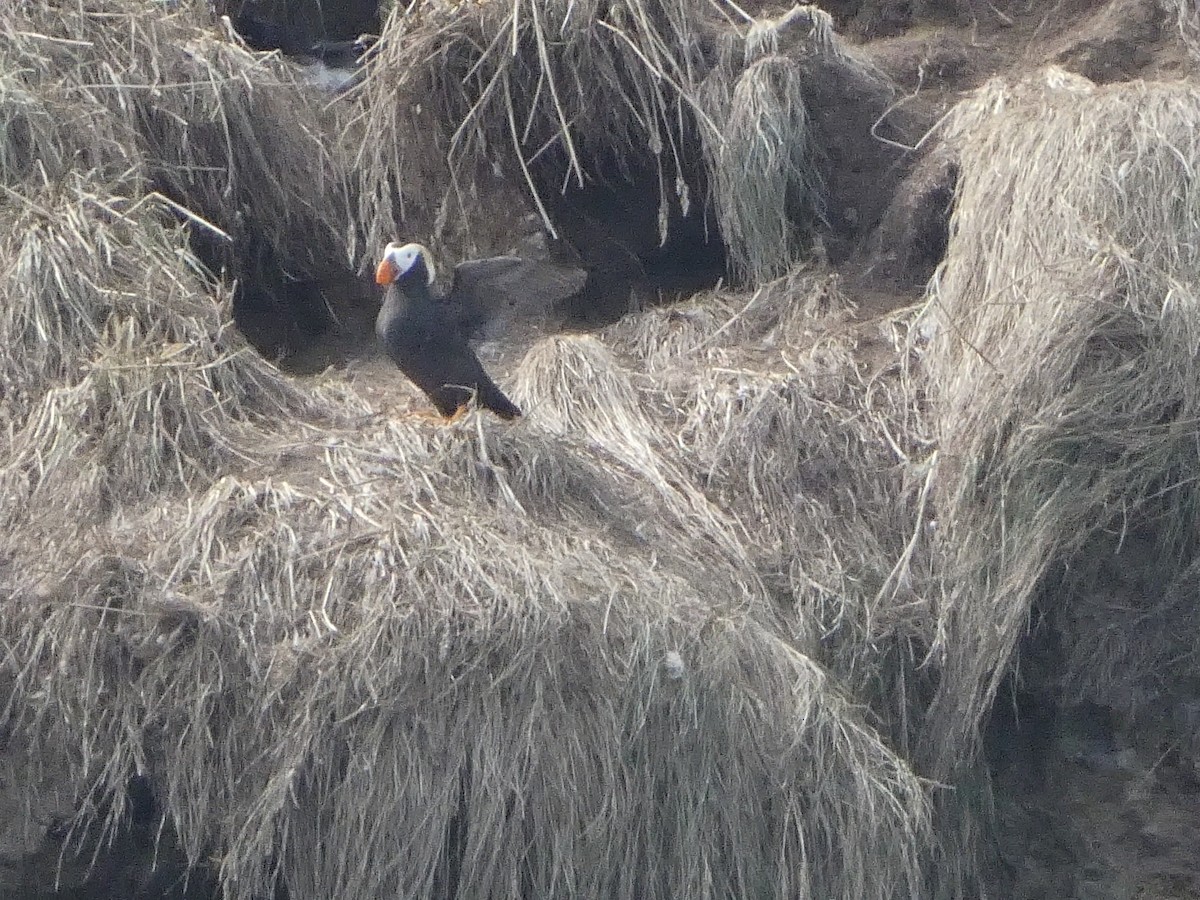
[(399, 259)]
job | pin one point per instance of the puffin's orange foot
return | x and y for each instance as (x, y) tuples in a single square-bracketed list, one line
[(458, 415), (426, 415)]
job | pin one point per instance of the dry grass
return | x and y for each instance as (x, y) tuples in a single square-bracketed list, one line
[(122, 375), (125, 133), (765, 187), (578, 388), (498, 633), (89, 275), (673, 634), (514, 85), (532, 99), (762, 157), (1064, 363), (359, 656), (134, 95), (770, 408)]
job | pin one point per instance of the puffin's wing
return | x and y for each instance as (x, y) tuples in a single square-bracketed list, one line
[(489, 297)]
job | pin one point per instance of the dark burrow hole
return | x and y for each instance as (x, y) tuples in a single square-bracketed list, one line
[(609, 226), (296, 26), (303, 323), (140, 860)]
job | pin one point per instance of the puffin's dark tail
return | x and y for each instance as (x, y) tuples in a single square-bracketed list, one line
[(491, 397)]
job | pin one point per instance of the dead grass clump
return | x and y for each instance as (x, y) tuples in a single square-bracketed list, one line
[(762, 154), (786, 310), (551, 95), (1064, 362), (773, 96), (556, 96), (127, 135), (31, 132), (775, 409), (157, 102), (122, 373), (505, 83), (80, 268), (309, 666), (574, 385), (765, 188)]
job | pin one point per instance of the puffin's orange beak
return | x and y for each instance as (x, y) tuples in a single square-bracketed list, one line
[(386, 273)]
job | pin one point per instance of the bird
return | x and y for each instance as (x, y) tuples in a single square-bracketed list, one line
[(426, 336)]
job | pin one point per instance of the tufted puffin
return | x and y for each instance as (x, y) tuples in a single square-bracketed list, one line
[(426, 336)]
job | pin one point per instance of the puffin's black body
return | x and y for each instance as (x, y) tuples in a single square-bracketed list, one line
[(423, 338)]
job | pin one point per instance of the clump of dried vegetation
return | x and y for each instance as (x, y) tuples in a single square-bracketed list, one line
[(549, 96), (123, 133), (709, 619), (1065, 369)]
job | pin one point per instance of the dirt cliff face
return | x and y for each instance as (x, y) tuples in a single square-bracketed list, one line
[(1096, 793)]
